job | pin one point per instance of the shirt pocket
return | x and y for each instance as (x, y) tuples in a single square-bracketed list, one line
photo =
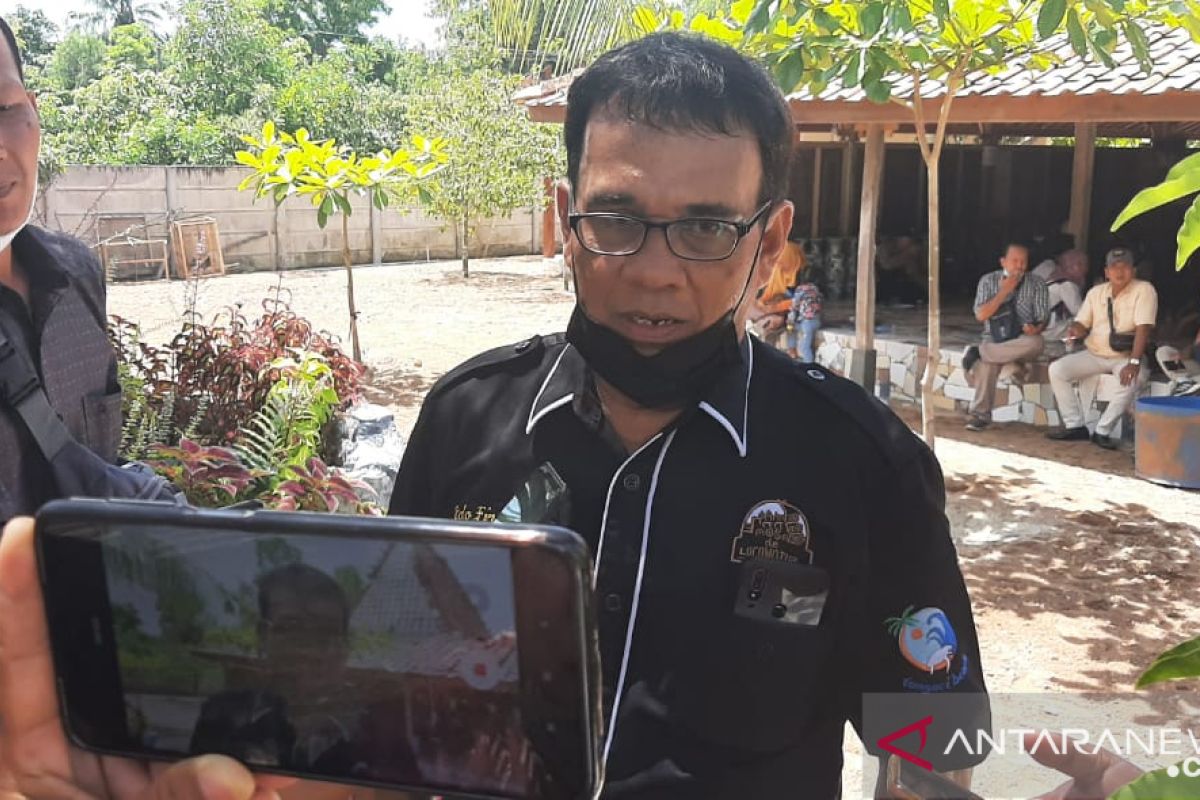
[(102, 423), (752, 684)]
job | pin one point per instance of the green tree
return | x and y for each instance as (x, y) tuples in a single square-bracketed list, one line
[(333, 94), (77, 61), (35, 33), (1182, 180), (938, 46), (496, 160), (107, 14), (225, 55), (324, 22), (131, 45), (285, 165)]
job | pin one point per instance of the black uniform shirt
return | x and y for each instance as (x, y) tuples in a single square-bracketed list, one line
[(61, 332), (782, 462)]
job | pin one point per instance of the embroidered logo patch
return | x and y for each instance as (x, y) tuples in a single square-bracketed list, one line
[(774, 530), (928, 642)]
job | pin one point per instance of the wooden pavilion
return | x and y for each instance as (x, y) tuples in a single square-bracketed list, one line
[(1031, 155)]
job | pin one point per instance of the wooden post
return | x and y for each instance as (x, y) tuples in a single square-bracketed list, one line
[(816, 194), (549, 221), (862, 364), (1081, 182), (847, 197)]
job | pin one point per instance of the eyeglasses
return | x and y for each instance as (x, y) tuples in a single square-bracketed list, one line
[(694, 239)]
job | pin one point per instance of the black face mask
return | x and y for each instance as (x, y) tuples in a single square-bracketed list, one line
[(676, 377)]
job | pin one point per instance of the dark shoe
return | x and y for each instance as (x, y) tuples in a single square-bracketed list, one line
[(977, 423), (1069, 435), (970, 356), (1107, 442)]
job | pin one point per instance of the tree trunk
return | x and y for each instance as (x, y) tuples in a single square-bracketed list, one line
[(350, 288), (934, 343), (466, 244)]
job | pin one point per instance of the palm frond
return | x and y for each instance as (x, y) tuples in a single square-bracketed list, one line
[(564, 34)]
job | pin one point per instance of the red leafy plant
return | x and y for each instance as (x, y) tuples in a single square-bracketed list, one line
[(209, 476), (317, 487)]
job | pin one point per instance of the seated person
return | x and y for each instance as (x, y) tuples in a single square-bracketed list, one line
[(1013, 306), (774, 300), (1117, 318), (804, 320), (1065, 277)]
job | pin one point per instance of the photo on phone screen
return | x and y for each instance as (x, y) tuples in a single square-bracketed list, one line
[(390, 662)]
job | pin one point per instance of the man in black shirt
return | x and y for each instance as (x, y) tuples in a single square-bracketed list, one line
[(51, 312), (690, 457), (770, 542)]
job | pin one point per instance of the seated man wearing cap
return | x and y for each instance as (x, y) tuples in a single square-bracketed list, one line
[(1117, 318)]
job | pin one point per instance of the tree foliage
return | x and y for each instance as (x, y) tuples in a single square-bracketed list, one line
[(104, 15), (77, 61), (496, 159), (36, 35), (323, 23)]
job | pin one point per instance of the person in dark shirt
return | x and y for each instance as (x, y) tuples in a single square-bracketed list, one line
[(51, 312)]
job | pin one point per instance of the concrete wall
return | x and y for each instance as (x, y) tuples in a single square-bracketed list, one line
[(97, 202)]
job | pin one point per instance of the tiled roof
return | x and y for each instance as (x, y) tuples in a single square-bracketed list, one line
[(1175, 56)]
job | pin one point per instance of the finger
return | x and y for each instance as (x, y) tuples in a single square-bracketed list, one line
[(1049, 751), (203, 778), (33, 738)]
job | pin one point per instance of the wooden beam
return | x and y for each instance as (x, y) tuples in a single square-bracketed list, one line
[(816, 194), (872, 191), (1174, 106), (849, 150), (1082, 173)]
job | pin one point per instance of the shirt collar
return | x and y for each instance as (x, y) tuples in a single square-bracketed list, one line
[(727, 402), (41, 269)]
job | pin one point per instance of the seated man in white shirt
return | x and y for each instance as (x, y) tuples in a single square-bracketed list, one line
[(1117, 318), (1065, 278)]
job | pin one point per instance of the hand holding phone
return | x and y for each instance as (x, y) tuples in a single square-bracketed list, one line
[(408, 654)]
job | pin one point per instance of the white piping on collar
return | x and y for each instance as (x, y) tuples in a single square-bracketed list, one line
[(637, 595), (741, 440), (562, 401)]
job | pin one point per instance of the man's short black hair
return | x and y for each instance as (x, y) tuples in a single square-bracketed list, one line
[(304, 581), (1011, 243), (681, 82), (13, 48)]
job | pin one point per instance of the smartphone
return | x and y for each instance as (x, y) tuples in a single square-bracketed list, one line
[(421, 655), (911, 782)]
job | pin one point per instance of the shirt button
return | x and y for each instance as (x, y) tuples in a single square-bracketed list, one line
[(632, 482), (612, 602)]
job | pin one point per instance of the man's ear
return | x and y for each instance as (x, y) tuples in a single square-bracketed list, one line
[(775, 240), (562, 198)]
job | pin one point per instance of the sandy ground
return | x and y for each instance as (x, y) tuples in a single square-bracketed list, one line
[(1079, 572)]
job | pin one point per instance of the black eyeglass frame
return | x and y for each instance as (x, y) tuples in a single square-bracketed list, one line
[(742, 229)]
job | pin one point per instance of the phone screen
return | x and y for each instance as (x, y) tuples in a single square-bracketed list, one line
[(381, 661)]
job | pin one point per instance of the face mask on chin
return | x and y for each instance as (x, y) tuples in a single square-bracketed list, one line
[(6, 239), (677, 376)]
